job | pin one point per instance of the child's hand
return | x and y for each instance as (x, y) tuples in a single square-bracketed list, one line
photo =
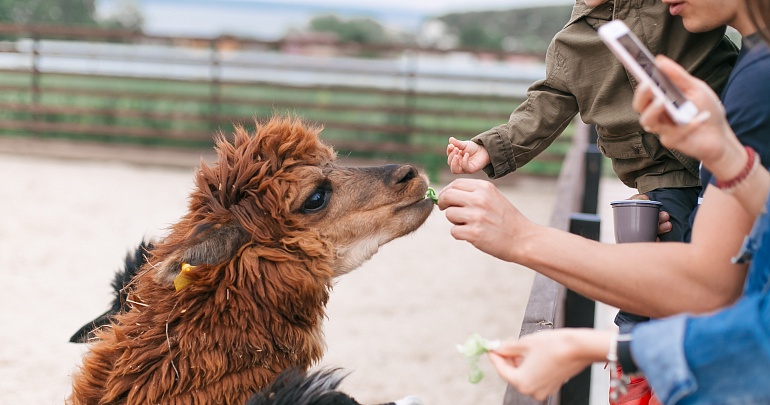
[(465, 157)]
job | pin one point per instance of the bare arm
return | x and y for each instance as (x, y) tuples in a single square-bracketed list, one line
[(653, 279)]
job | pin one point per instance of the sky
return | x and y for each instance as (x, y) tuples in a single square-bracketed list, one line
[(270, 19)]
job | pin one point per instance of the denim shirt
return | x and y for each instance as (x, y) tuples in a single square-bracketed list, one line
[(720, 358)]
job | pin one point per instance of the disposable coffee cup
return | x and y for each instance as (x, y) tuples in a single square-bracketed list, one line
[(635, 220)]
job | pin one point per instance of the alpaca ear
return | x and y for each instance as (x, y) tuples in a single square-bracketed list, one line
[(214, 244)]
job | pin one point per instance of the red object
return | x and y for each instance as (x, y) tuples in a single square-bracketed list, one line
[(639, 393), (728, 184)]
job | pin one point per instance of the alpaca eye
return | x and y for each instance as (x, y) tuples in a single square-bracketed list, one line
[(317, 200)]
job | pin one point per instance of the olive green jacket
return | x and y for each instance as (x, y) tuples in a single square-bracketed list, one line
[(583, 76)]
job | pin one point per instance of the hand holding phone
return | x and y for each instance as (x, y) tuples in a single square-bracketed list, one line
[(640, 62)]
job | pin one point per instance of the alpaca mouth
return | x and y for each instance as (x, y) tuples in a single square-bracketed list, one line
[(422, 203)]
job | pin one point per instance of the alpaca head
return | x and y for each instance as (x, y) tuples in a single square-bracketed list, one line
[(236, 292), (282, 190)]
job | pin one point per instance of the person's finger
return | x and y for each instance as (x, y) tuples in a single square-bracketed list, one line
[(643, 96), (694, 124), (639, 197), (676, 73), (462, 232), (654, 119), (466, 184), (700, 119), (507, 367), (452, 195), (664, 216), (465, 163), (510, 369), (454, 199), (456, 215), (457, 143), (510, 348), (455, 163), (665, 227), (459, 207), (664, 223), (502, 362)]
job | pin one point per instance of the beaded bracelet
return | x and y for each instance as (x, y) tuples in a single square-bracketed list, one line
[(751, 164)]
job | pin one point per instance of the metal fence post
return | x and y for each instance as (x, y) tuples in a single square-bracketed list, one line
[(35, 83), (593, 172), (215, 66), (579, 313)]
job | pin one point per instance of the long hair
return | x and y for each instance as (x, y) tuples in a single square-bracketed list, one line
[(759, 13)]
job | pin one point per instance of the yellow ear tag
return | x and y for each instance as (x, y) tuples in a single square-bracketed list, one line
[(183, 278)]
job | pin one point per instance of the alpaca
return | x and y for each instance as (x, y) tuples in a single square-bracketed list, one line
[(298, 387), (120, 282), (236, 292)]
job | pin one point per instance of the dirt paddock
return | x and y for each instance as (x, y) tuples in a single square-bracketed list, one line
[(393, 324)]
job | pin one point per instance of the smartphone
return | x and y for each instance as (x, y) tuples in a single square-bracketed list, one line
[(637, 59)]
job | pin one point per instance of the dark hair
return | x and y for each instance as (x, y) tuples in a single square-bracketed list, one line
[(759, 13)]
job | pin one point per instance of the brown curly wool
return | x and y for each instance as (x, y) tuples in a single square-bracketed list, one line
[(264, 256)]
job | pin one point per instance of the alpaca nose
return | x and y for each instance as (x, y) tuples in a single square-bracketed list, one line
[(403, 174)]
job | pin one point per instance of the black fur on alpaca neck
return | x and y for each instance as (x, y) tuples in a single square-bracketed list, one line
[(133, 262), (297, 387)]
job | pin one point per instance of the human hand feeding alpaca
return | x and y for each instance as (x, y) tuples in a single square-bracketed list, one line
[(268, 227)]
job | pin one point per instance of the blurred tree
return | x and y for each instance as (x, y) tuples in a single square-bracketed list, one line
[(518, 30), (80, 12), (123, 14), (359, 30), (479, 35)]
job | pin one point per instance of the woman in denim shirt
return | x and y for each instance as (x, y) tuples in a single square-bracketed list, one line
[(720, 358)]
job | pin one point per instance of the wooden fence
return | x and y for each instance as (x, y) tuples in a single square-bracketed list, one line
[(125, 87), (550, 304)]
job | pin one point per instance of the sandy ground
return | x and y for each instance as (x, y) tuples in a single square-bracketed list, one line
[(393, 324)]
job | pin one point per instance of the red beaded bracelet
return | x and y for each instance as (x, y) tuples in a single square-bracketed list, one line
[(728, 185)]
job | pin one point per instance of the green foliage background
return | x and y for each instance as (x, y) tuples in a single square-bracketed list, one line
[(150, 104), (358, 30), (80, 12), (521, 30)]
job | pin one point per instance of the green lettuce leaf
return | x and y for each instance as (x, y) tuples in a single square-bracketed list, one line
[(472, 349), (431, 193)]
